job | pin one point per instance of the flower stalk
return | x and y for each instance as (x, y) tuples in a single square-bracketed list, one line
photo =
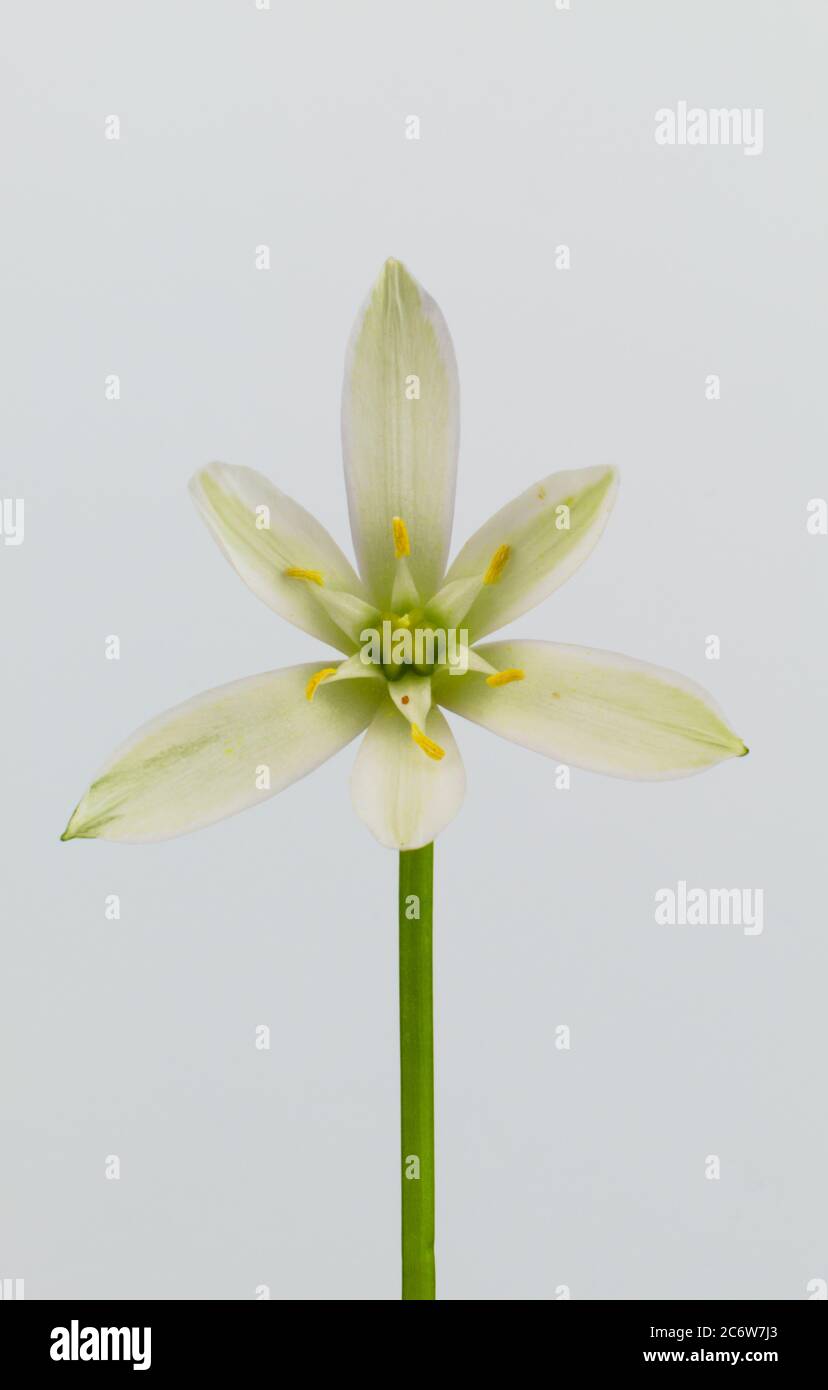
[(417, 1072)]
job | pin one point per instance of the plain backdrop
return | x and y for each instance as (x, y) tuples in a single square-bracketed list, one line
[(286, 127)]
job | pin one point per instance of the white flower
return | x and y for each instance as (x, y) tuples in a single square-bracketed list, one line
[(400, 415)]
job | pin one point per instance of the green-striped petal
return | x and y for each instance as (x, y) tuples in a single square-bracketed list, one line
[(596, 710), (549, 530), (219, 753), (263, 534), (400, 432)]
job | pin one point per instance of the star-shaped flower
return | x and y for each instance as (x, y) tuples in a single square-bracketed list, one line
[(406, 627)]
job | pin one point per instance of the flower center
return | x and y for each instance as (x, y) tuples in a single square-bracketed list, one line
[(411, 644)]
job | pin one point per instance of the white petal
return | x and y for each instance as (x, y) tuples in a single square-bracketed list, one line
[(236, 503), (352, 615), (404, 593), (550, 529), (400, 452), (596, 710), (454, 600), (354, 669), (404, 797), (473, 661), (219, 753), (412, 697)]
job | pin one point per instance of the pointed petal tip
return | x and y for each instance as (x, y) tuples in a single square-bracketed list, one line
[(393, 276), (202, 469), (605, 475), (610, 475), (214, 470), (77, 833), (395, 282), (196, 481), (77, 828)]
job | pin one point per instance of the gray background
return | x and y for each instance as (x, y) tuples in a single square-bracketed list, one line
[(136, 1037)]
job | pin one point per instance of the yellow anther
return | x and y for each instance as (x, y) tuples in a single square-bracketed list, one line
[(402, 545), (497, 564), (317, 679), (314, 576), (429, 747), (513, 673)]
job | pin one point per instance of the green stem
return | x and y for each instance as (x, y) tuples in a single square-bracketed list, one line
[(417, 1073)]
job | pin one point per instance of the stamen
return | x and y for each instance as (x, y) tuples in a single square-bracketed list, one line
[(402, 545), (429, 747), (497, 564), (512, 673), (317, 679), (314, 576)]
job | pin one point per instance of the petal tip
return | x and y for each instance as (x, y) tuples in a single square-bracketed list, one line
[(395, 279), (79, 827), (72, 832), (203, 468), (201, 479), (610, 477)]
